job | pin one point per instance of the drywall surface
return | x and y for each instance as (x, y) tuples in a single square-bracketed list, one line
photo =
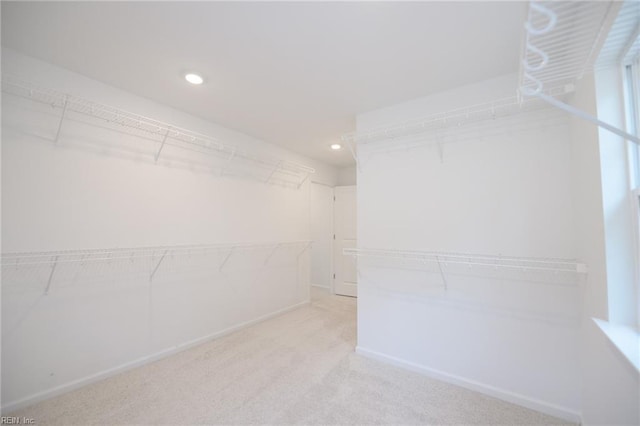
[(610, 385), (500, 187), (347, 176), (93, 189)]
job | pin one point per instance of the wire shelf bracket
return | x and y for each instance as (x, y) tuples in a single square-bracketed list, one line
[(53, 269), (228, 162), (226, 259), (164, 140), (306, 246), (157, 266), (444, 278), (64, 112), (273, 172), (271, 253)]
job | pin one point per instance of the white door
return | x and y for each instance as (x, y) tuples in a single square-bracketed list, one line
[(344, 228), (321, 234)]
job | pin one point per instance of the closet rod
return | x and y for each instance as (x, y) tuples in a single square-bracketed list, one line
[(588, 117)]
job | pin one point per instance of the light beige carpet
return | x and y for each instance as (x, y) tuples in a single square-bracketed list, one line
[(298, 368)]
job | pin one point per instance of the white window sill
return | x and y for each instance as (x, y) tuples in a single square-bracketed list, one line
[(626, 339)]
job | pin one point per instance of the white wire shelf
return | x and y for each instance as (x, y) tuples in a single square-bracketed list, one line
[(563, 41), (99, 255), (540, 289), (459, 120), (536, 123), (272, 170), (42, 267), (524, 264)]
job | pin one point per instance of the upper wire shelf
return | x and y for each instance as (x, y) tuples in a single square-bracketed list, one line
[(273, 170), (526, 264), (563, 40), (455, 118)]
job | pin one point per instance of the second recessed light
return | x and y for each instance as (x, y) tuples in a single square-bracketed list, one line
[(194, 78)]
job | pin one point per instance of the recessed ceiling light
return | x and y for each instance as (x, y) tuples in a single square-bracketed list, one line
[(336, 146), (193, 78)]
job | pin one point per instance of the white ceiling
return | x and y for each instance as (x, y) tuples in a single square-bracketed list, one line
[(294, 74)]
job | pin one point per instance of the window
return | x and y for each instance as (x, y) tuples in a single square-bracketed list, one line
[(632, 77), (632, 100)]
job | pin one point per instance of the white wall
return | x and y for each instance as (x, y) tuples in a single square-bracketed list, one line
[(506, 189), (347, 176), (94, 190)]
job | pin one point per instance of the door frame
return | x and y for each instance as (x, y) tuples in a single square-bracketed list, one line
[(334, 244)]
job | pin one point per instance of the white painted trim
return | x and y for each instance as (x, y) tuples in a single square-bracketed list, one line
[(624, 338), (512, 397), (332, 272), (67, 387)]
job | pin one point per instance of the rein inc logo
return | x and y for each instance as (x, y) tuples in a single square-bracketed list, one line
[(15, 420)]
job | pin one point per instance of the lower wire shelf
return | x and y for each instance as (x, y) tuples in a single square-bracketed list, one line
[(494, 262), (40, 268)]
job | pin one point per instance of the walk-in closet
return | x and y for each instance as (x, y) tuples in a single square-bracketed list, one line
[(320, 213)]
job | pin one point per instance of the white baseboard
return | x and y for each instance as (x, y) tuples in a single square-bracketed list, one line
[(67, 387), (321, 286), (512, 397)]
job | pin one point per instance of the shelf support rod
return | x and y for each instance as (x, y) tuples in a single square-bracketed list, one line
[(164, 139), (440, 152), (353, 152), (228, 162), (273, 251), (273, 172), (306, 246), (53, 268), (64, 112), (158, 265), (444, 278), (303, 180), (226, 259)]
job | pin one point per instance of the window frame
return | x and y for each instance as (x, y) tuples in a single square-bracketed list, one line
[(632, 98), (631, 70)]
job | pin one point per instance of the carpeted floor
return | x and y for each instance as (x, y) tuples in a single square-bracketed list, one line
[(299, 368)]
